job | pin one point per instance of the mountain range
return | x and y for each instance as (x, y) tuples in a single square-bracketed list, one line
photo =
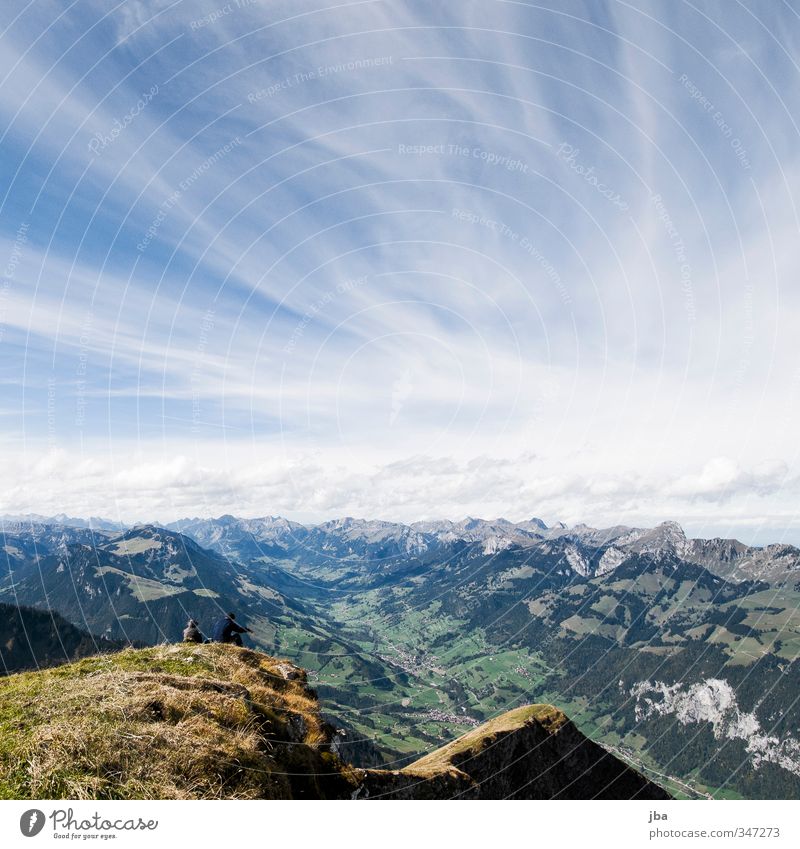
[(375, 541), (678, 655)]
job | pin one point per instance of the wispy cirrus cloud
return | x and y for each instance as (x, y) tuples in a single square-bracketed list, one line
[(321, 202)]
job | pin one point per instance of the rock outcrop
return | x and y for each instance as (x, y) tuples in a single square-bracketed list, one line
[(533, 752)]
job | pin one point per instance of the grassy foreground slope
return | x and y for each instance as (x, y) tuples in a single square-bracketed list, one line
[(219, 722), (169, 722)]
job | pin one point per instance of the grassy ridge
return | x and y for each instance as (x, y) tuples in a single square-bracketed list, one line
[(168, 722)]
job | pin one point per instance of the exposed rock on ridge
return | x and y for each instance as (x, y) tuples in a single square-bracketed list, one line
[(533, 752)]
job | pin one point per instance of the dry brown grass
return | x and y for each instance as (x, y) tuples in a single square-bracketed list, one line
[(441, 760), (172, 722)]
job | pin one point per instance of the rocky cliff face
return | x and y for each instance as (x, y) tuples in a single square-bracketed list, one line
[(713, 701), (213, 721), (533, 752)]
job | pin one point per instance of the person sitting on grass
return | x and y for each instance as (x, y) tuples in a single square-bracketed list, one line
[(191, 633), (228, 630)]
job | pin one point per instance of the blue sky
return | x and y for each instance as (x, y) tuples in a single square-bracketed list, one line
[(402, 260)]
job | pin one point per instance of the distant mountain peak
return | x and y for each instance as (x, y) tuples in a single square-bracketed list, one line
[(671, 527), (668, 533)]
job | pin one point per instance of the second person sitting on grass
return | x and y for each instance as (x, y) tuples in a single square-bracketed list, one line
[(228, 630), (192, 633)]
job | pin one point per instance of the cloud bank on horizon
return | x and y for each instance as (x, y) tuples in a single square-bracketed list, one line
[(402, 260)]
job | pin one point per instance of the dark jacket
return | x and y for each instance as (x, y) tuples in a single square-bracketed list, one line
[(224, 629), (191, 634)]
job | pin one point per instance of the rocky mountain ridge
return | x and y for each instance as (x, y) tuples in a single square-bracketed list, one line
[(587, 550), (383, 540)]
